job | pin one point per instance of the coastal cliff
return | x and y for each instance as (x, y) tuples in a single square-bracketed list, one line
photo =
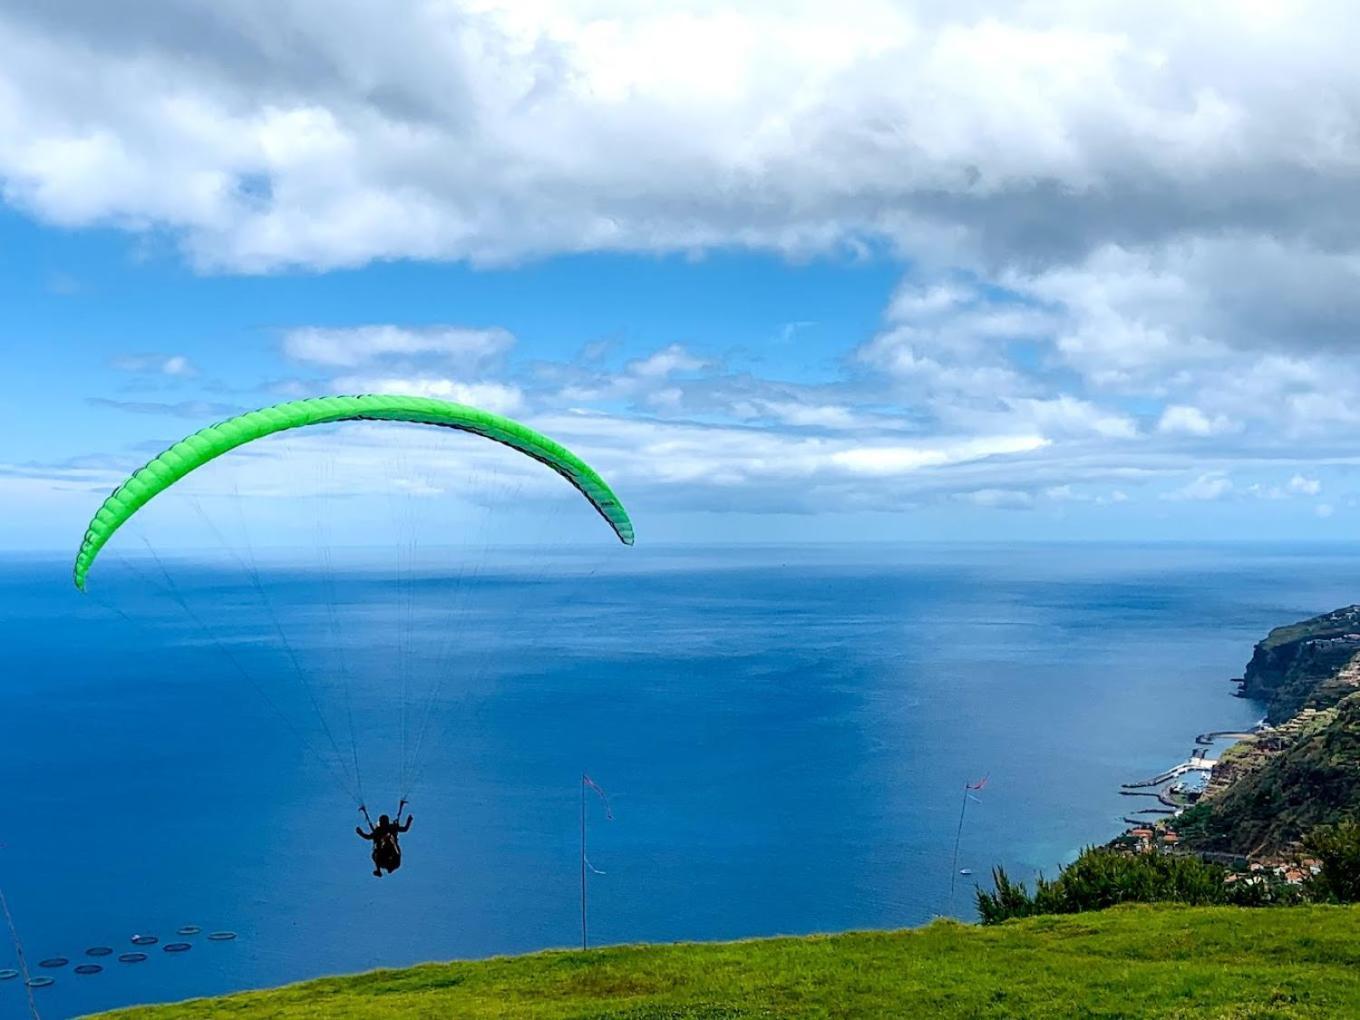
[(1300, 665), (1302, 768)]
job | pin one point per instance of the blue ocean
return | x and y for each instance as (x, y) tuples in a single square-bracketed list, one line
[(784, 736)]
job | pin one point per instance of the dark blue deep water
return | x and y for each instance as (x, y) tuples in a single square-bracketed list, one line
[(784, 734)]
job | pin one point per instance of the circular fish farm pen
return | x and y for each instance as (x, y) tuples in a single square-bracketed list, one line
[(101, 952)]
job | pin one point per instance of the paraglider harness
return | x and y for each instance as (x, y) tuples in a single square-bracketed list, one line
[(386, 849)]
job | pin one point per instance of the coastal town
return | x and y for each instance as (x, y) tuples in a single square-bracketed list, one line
[(1308, 677), (1289, 870)]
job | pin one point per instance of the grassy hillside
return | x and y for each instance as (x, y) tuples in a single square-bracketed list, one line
[(1127, 962)]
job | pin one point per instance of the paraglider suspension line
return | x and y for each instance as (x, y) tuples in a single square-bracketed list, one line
[(19, 954), (253, 571), (340, 776)]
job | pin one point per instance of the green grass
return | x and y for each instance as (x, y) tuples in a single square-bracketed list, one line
[(1132, 961)]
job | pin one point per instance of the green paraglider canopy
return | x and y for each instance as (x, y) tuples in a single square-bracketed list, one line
[(196, 450)]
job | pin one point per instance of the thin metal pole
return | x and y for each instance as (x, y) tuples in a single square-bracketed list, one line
[(958, 835), (584, 940)]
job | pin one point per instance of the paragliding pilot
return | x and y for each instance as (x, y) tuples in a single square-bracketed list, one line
[(383, 836)]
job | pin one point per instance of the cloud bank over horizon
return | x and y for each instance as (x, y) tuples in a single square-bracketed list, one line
[(1128, 240)]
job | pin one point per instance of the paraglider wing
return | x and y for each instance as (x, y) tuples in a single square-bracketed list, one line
[(196, 450)]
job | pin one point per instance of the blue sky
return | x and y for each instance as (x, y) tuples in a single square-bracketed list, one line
[(780, 271)]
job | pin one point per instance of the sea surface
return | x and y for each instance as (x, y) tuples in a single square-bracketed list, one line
[(784, 735)]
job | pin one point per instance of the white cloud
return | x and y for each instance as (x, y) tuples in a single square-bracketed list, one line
[(359, 345), (952, 336), (1324, 510), (940, 378), (666, 362), (192, 409), (768, 468), (897, 459), (1002, 499), (500, 130), (1204, 488), (418, 486), (488, 396), (668, 399), (177, 365), (97, 477), (1180, 419), (797, 413), (647, 379), (1305, 486), (1067, 415), (1068, 494), (677, 464), (1133, 236)]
